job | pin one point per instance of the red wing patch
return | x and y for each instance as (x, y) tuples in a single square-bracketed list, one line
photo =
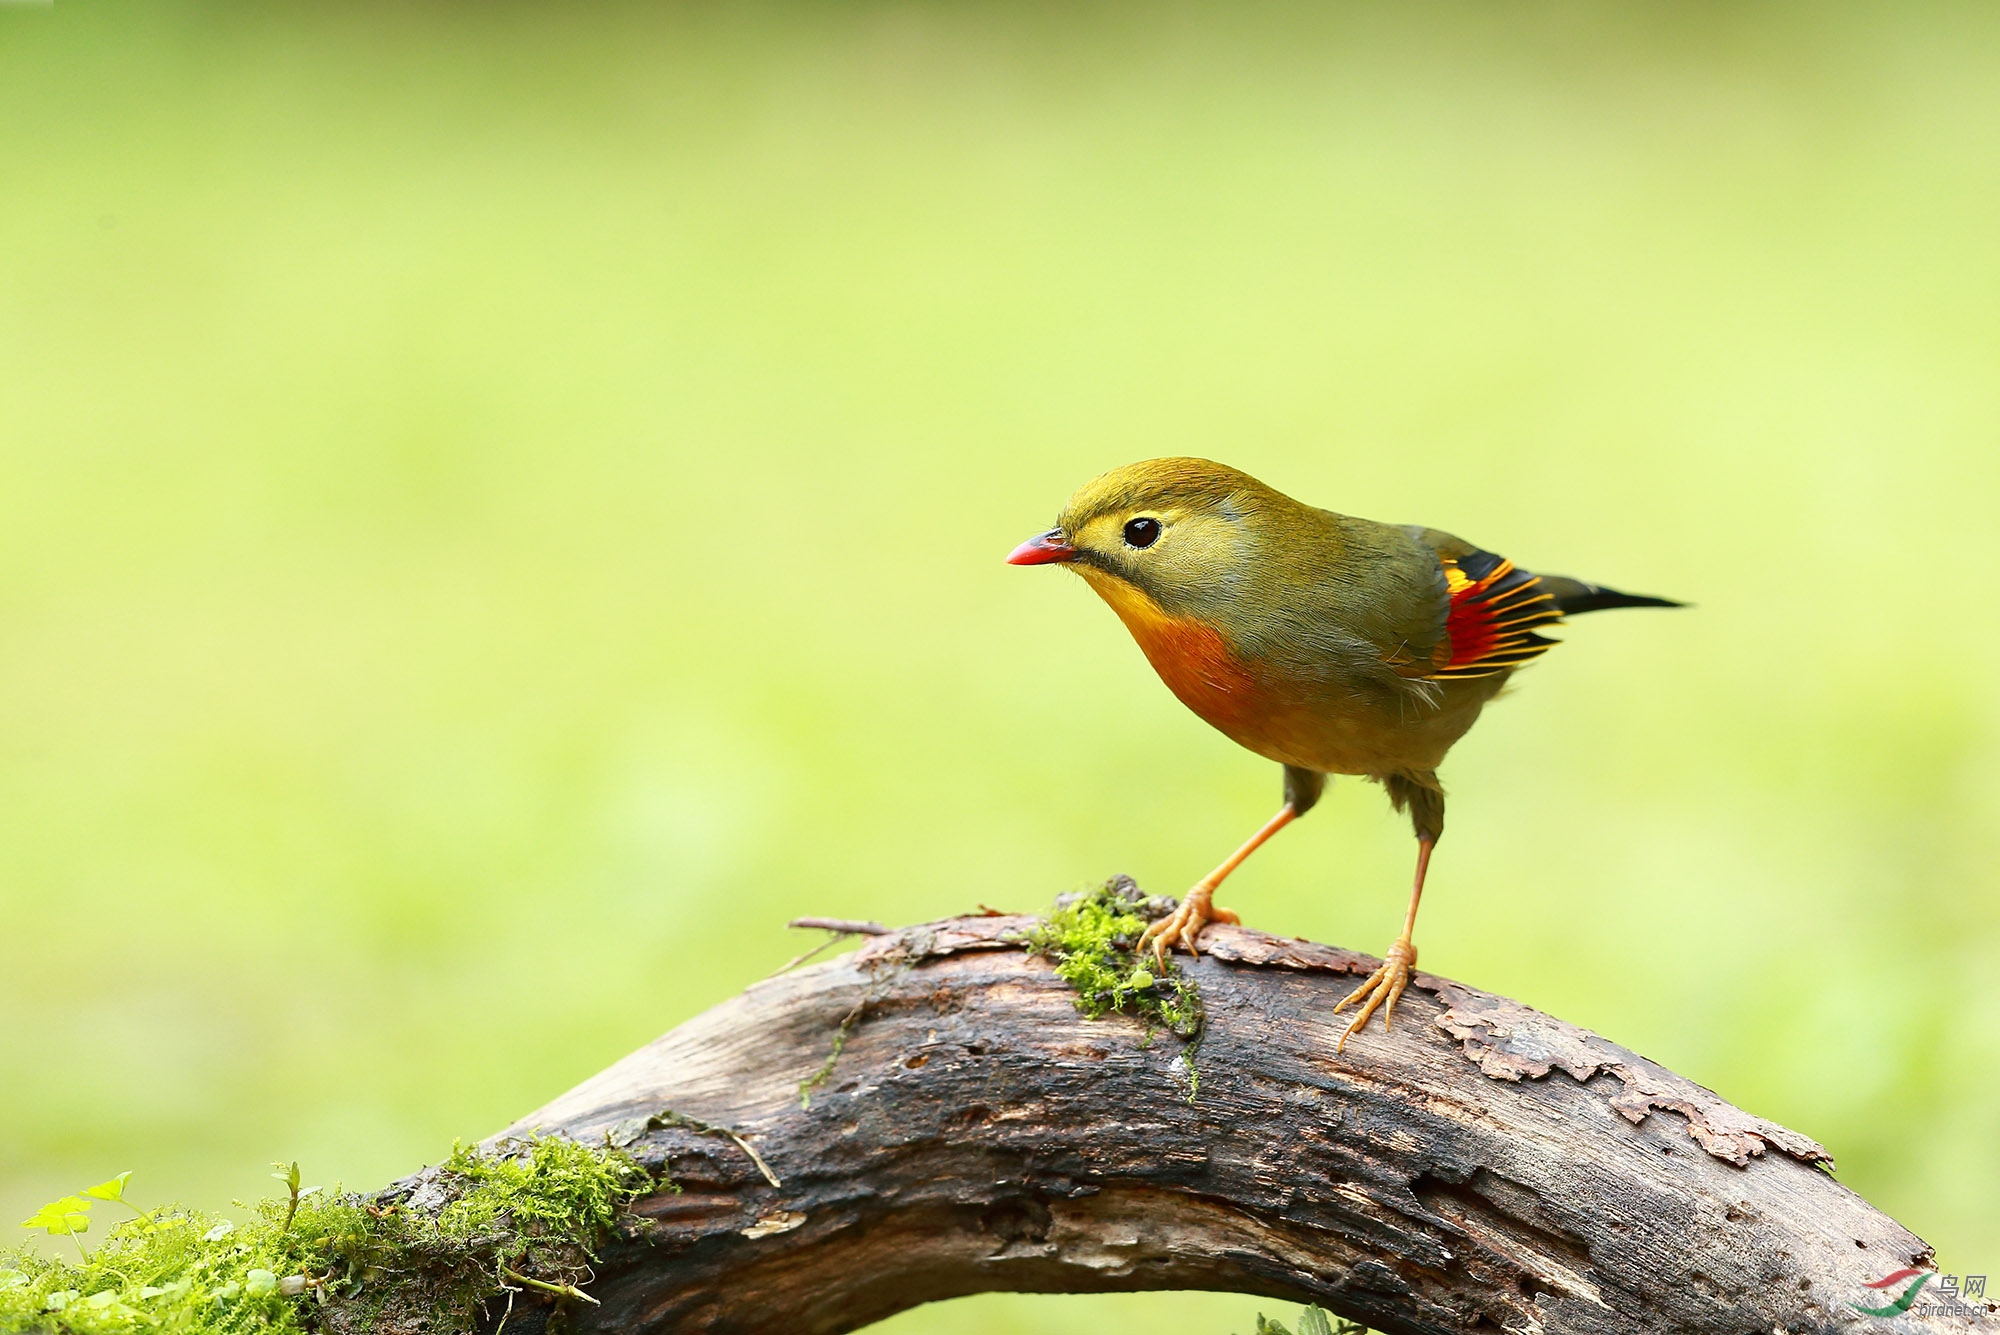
[(1495, 610)]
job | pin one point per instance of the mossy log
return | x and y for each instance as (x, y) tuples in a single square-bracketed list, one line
[(1481, 1168)]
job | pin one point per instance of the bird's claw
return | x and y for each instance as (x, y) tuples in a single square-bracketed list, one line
[(1183, 925), (1382, 988)]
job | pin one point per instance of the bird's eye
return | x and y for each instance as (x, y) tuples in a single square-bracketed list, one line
[(1142, 532)]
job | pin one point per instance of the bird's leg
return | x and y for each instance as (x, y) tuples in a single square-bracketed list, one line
[(1197, 909), (1384, 986)]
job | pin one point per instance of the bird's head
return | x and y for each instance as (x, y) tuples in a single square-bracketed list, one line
[(1173, 529)]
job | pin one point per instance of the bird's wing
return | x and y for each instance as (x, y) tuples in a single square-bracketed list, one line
[(1494, 613)]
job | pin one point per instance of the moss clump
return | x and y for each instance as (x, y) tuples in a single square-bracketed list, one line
[(431, 1253), (1091, 937), (1313, 1320)]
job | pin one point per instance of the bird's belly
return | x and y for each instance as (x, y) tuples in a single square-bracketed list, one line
[(1336, 732), (1349, 740)]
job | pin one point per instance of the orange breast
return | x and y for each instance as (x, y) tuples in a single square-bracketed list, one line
[(1194, 659)]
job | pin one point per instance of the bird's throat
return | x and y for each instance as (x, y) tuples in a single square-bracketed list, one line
[(1193, 658)]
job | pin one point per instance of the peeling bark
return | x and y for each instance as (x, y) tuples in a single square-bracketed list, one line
[(1482, 1168)]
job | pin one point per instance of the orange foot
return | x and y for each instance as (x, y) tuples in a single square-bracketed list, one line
[(1382, 988), (1183, 925)]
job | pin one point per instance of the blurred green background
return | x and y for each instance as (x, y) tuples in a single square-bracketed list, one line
[(503, 506)]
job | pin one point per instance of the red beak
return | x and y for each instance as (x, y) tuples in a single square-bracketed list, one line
[(1041, 549)]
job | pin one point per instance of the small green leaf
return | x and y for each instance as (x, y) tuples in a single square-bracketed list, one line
[(111, 1190), (219, 1232), (58, 1300), (228, 1291), (101, 1299), (260, 1284), (288, 1174), (71, 1214), (13, 1279)]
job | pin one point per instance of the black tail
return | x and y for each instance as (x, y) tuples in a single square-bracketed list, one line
[(1574, 596)]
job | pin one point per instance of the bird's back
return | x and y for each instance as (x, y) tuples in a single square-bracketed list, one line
[(1378, 644)]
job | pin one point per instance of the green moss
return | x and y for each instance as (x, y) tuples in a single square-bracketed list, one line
[(558, 1188), (433, 1252), (1313, 1320), (1090, 937), (811, 1084)]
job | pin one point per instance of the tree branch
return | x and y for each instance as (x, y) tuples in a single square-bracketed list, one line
[(1482, 1168)]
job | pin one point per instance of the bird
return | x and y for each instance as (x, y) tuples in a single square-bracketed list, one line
[(1328, 643)]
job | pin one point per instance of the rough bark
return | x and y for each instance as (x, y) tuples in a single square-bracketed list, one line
[(1482, 1168)]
